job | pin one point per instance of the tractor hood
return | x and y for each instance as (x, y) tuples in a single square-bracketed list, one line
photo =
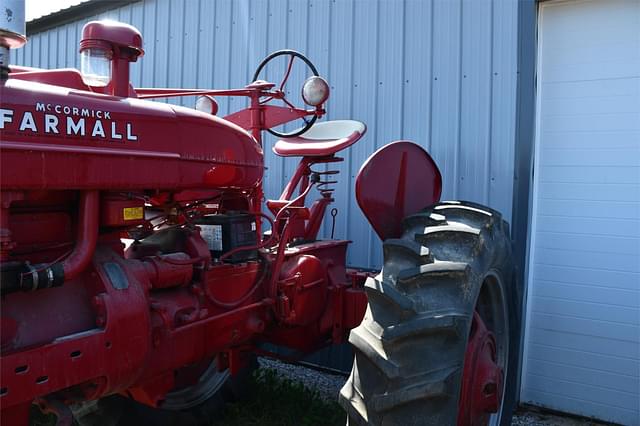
[(54, 137)]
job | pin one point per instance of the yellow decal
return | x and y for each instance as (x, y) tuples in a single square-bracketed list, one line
[(133, 213)]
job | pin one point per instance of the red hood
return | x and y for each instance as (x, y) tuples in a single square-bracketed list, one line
[(59, 138)]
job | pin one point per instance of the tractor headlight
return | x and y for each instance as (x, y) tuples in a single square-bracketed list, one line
[(95, 65), (315, 91)]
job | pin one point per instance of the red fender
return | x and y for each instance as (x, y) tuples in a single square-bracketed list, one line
[(397, 180)]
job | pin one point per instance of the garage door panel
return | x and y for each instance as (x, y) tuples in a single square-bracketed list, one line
[(589, 225), (606, 40), (569, 71), (602, 244), (615, 298), (603, 157), (589, 377), (593, 277), (613, 139), (583, 391), (562, 305), (578, 406), (596, 208), (591, 122), (589, 174), (625, 103), (592, 89), (626, 367), (584, 342), (567, 32), (606, 47), (590, 192), (590, 260), (621, 332)]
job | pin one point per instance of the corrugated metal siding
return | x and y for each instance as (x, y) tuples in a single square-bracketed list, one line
[(441, 73)]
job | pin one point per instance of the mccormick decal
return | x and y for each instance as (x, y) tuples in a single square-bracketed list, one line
[(67, 120)]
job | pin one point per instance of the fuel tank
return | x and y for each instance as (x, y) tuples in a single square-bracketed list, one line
[(54, 137)]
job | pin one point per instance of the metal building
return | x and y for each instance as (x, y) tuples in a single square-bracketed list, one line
[(444, 76), (532, 108)]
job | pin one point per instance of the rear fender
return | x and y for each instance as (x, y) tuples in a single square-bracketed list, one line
[(397, 180)]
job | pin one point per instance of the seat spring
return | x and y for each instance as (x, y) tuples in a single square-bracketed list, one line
[(324, 186)]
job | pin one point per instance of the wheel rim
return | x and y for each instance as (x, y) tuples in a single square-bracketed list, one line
[(209, 382), (485, 365)]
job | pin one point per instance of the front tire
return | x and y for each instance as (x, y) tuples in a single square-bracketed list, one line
[(452, 260)]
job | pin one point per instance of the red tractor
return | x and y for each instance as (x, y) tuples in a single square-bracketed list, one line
[(142, 271)]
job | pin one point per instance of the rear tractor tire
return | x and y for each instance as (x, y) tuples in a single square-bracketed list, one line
[(439, 342)]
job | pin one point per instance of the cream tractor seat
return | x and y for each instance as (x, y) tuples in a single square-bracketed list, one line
[(322, 139)]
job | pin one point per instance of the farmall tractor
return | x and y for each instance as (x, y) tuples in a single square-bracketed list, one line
[(143, 271)]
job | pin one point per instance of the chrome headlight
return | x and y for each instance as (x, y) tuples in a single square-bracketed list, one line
[(315, 91)]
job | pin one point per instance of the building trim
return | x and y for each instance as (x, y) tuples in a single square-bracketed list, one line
[(524, 154)]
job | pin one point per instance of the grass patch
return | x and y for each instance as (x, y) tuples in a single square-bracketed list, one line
[(278, 401)]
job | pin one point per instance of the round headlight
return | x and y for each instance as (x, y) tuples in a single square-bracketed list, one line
[(207, 104), (315, 91)]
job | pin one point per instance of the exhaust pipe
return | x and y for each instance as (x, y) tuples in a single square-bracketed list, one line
[(12, 29)]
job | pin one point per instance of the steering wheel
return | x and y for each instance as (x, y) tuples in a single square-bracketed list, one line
[(293, 54)]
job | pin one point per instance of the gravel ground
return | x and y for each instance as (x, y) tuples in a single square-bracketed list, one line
[(534, 417), (328, 385)]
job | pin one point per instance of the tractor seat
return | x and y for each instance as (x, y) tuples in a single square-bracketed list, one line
[(322, 139)]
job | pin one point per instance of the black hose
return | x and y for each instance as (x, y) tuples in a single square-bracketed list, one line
[(22, 276)]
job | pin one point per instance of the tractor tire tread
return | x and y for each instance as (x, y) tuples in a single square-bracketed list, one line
[(409, 348)]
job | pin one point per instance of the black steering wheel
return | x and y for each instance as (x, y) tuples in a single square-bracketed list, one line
[(293, 54)]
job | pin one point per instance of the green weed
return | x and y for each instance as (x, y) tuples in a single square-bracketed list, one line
[(278, 401)]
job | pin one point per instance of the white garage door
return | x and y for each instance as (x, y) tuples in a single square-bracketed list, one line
[(582, 347)]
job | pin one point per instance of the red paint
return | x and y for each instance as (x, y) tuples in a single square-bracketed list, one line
[(305, 223), (40, 236), (21, 68), (300, 147), (397, 180), (87, 236), (118, 210), (15, 415), (127, 321), (114, 34), (147, 159), (272, 115), (482, 378), (304, 284), (65, 77), (169, 270)]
